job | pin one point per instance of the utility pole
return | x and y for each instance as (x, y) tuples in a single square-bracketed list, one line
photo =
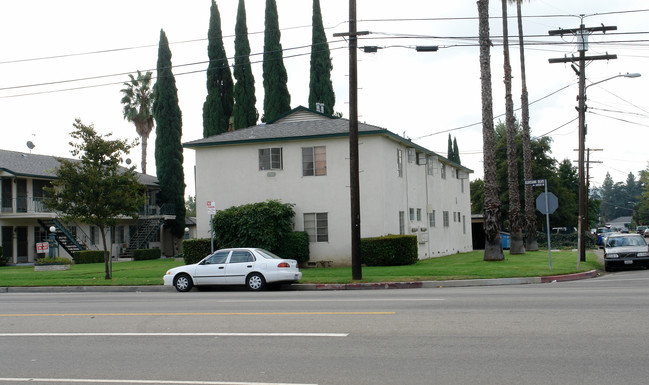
[(588, 162), (354, 184), (582, 34)]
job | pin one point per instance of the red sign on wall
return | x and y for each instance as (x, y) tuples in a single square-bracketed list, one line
[(42, 247)]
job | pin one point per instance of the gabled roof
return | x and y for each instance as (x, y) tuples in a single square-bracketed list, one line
[(299, 124), (43, 166)]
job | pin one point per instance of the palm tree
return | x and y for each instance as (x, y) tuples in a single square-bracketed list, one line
[(138, 102), (530, 218), (493, 247), (515, 219)]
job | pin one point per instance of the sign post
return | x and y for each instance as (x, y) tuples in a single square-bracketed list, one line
[(211, 210), (546, 203)]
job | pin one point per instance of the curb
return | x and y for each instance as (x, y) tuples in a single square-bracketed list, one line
[(330, 286)]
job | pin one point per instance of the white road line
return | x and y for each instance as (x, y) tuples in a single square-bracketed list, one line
[(174, 334), (107, 381)]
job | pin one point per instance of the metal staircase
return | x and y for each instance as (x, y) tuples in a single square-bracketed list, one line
[(62, 235), (142, 232)]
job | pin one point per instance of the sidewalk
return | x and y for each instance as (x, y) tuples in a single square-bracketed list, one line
[(330, 286)]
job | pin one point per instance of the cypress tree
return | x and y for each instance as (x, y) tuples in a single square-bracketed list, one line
[(168, 147), (217, 108), (245, 112), (449, 152), (320, 88), (277, 100), (456, 152)]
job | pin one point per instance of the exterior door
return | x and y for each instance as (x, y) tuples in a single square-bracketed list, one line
[(21, 195), (8, 242), (21, 240), (7, 195), (212, 270), (241, 263)]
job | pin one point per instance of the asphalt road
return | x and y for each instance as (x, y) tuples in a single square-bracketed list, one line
[(582, 332)]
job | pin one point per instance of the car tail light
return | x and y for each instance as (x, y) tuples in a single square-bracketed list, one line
[(283, 264)]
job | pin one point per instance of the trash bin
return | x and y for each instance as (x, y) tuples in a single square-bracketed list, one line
[(505, 240)]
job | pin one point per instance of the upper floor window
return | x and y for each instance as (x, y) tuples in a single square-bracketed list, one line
[(443, 171), (399, 162), (270, 158), (314, 161), (412, 155)]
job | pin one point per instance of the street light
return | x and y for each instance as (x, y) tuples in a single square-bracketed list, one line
[(52, 241), (583, 209)]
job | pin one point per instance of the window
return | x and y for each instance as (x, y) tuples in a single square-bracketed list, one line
[(314, 161), (462, 185), (411, 211), (402, 223), (270, 159), (431, 219), (430, 166), (419, 215), (445, 218), (399, 162), (443, 171), (412, 155), (316, 226), (217, 258), (241, 256), (40, 234), (463, 224)]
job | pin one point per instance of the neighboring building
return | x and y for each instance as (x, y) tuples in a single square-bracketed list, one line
[(620, 223), (302, 158), (24, 221)]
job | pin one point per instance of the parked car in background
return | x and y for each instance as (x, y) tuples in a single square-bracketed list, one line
[(625, 250), (646, 233), (252, 267), (640, 230), (600, 233)]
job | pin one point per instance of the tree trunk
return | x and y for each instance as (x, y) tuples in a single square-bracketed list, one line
[(493, 247), (515, 222), (530, 211), (145, 141), (106, 254)]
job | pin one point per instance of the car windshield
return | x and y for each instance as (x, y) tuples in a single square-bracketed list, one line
[(267, 254), (625, 241)]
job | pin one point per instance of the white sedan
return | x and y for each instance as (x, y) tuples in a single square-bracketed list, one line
[(252, 267)]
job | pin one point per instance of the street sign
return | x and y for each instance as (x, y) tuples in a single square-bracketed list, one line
[(535, 182), (42, 247), (211, 207), (552, 204)]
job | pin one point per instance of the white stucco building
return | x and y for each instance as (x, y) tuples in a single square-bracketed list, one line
[(302, 158)]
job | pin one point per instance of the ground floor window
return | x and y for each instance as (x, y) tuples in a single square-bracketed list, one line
[(445, 218), (316, 226), (402, 223)]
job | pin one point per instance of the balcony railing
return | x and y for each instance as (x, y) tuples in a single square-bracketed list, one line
[(24, 205)]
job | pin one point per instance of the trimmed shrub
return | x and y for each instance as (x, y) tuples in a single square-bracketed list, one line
[(389, 250), (53, 261), (88, 256), (294, 245), (196, 249), (564, 241), (145, 254)]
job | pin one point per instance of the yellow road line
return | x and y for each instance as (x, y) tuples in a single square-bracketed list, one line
[(199, 314)]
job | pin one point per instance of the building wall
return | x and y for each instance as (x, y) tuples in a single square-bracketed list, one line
[(230, 176)]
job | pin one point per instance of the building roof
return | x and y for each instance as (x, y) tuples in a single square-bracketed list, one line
[(43, 166), (299, 124)]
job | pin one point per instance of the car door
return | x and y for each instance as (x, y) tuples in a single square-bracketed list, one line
[(240, 264), (211, 271)]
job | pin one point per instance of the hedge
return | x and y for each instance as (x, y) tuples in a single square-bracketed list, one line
[(145, 254), (563, 241), (53, 261), (88, 256), (389, 250), (196, 249), (294, 245)]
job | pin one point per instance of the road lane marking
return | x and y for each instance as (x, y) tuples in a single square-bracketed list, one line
[(106, 381), (199, 314), (174, 334)]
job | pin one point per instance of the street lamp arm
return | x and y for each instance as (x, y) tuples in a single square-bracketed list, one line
[(626, 75)]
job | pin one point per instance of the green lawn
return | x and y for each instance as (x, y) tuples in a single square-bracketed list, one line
[(458, 266)]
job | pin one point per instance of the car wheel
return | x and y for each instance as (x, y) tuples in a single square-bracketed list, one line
[(183, 283), (607, 267), (255, 282)]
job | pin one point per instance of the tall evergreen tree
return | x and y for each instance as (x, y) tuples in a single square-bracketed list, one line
[(321, 89), (245, 112), (277, 100), (449, 152), (168, 147), (217, 108), (456, 152)]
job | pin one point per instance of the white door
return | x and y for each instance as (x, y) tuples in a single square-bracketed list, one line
[(241, 263), (212, 270)]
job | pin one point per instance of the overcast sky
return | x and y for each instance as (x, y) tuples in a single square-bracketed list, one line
[(423, 96)]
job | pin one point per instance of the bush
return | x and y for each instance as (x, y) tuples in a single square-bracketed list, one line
[(88, 256), (196, 249), (53, 261), (145, 254), (3, 259), (563, 241), (294, 245), (389, 250), (262, 224)]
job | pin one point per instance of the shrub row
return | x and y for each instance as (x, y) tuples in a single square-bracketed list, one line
[(563, 240), (53, 261), (196, 249), (389, 250), (88, 256), (145, 254)]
